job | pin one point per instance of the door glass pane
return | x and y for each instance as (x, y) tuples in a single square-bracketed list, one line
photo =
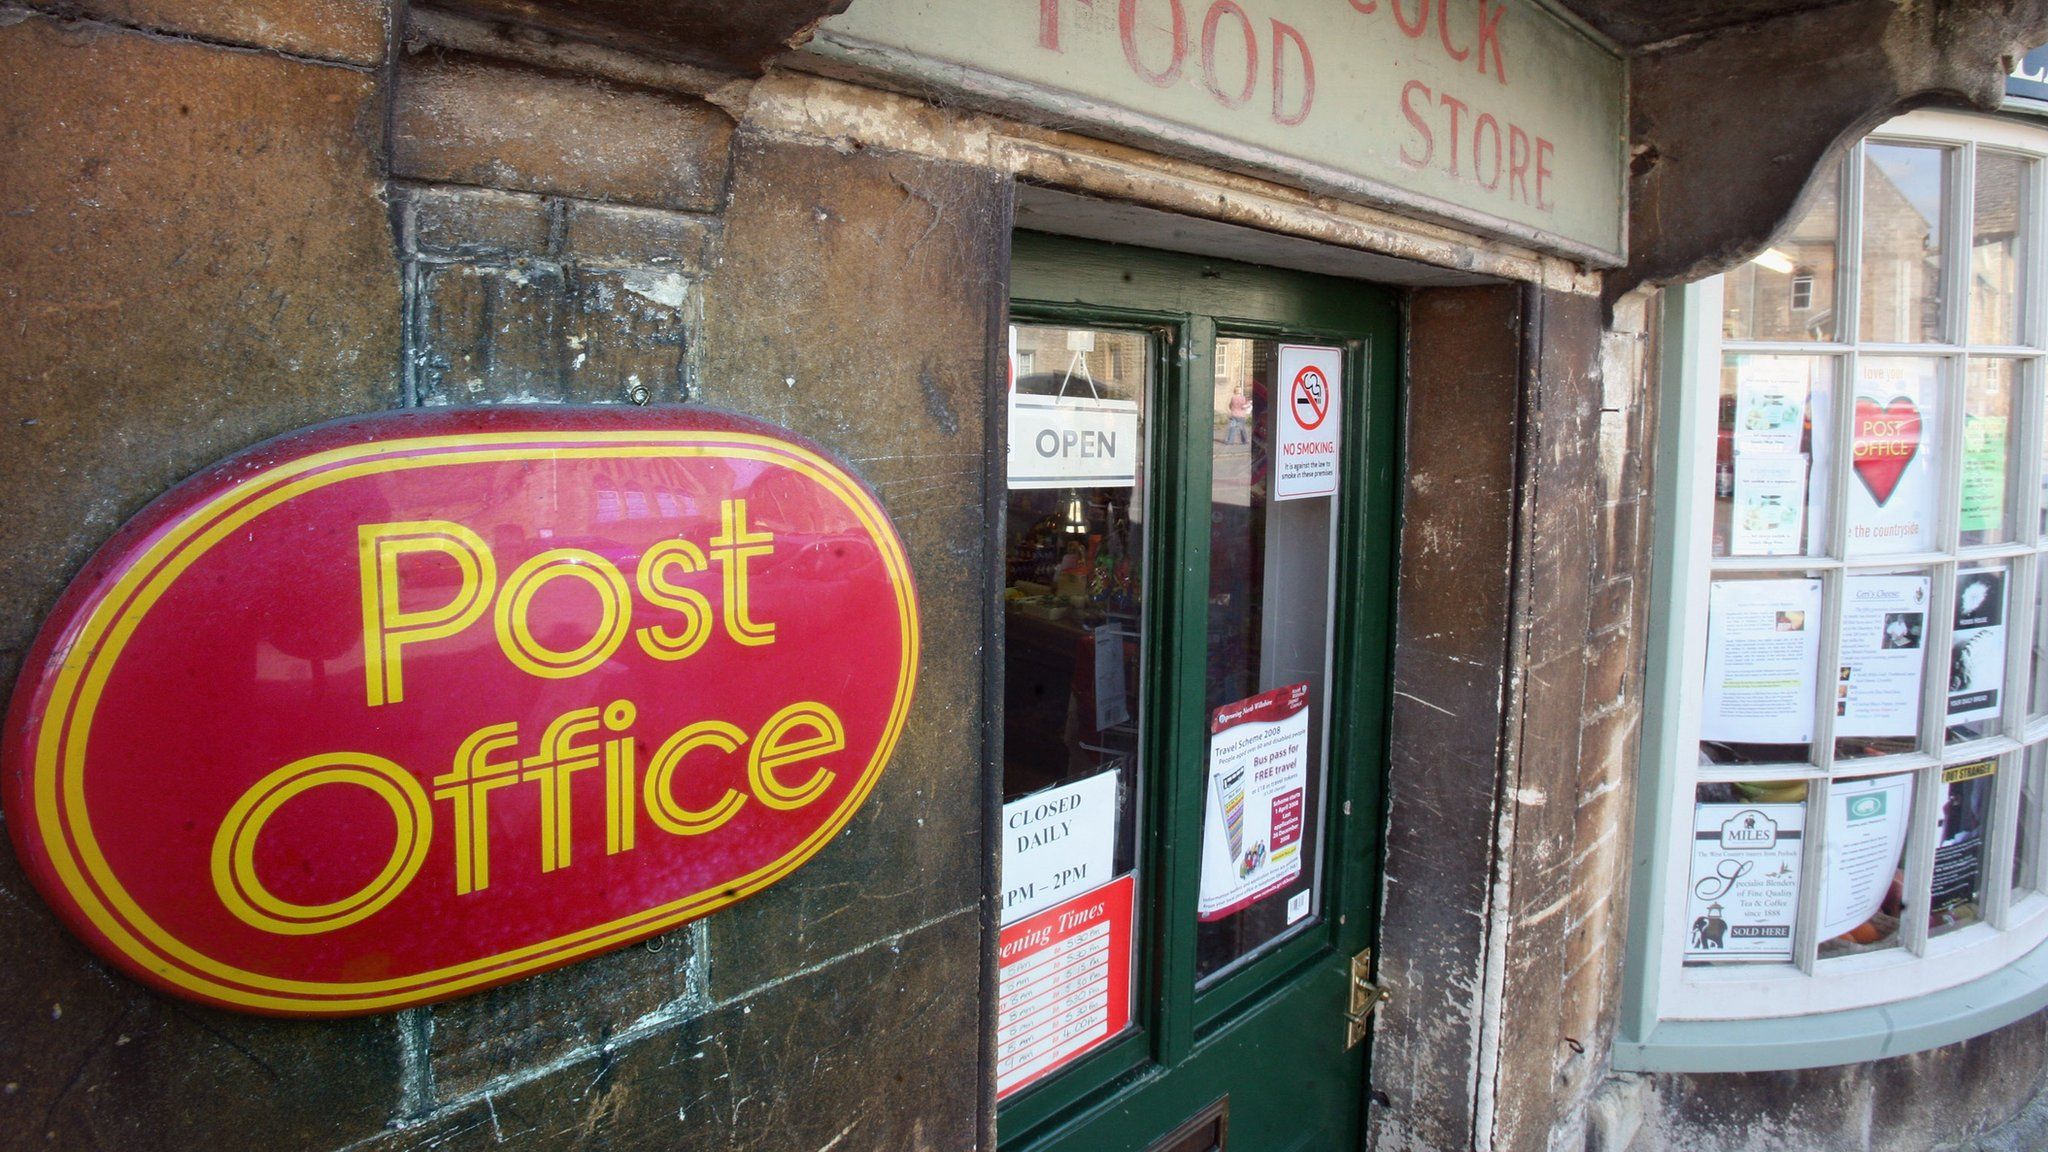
[(1904, 186), (1773, 456), (1788, 292), (1862, 891), (1072, 633), (1996, 253), (1272, 526)]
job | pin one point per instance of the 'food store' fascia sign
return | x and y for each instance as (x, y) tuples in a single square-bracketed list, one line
[(395, 709), (1494, 114)]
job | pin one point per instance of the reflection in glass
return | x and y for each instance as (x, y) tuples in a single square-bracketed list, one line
[(1788, 292), (1962, 836), (1985, 497), (1264, 553), (1863, 886), (1742, 897), (1884, 620), (1997, 254), (1976, 662), (1903, 212), (1772, 458)]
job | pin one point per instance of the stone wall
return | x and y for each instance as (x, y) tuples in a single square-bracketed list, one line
[(222, 222)]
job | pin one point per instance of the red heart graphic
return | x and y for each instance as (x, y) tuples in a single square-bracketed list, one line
[(1886, 441)]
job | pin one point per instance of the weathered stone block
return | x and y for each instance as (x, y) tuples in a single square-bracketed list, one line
[(606, 235), (477, 223), (466, 121), (193, 257), (558, 1015), (485, 334), (874, 1053), (351, 31), (629, 334), (853, 302), (1610, 669), (90, 1059), (1613, 606), (708, 33), (182, 222)]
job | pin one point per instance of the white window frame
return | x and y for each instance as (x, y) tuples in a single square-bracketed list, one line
[(1929, 990)]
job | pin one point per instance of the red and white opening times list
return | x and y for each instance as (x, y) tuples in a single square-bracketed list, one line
[(1065, 983)]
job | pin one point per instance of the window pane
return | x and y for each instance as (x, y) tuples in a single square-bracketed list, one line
[(2026, 850), (1072, 634), (1763, 656), (1772, 459), (1883, 618), (1986, 497), (1271, 565), (1904, 190), (1997, 258), (1895, 456), (2037, 657), (1976, 665), (1788, 292), (1961, 836), (1862, 889)]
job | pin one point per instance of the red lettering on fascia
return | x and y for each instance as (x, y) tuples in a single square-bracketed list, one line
[(1489, 37), (1049, 23), (1414, 31), (1210, 22), (1457, 107), (1420, 125), (1443, 32), (1127, 31), (1281, 34)]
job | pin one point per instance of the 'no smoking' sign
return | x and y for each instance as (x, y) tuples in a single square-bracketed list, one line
[(1306, 438), (1309, 399)]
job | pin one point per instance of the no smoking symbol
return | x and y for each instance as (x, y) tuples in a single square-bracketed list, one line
[(1310, 398)]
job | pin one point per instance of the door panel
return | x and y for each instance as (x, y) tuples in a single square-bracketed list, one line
[(1155, 618)]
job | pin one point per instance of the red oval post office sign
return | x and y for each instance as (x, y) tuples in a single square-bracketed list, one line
[(398, 708)]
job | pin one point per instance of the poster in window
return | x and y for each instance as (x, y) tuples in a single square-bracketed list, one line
[(1893, 433), (1770, 506), (1770, 405), (1253, 805), (1959, 841), (1744, 892), (1763, 642), (1867, 822), (1884, 631), (1983, 496), (1976, 666)]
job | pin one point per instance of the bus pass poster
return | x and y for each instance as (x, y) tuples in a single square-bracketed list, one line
[(1258, 779)]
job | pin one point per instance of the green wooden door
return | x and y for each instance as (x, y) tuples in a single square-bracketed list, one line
[(1194, 695)]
